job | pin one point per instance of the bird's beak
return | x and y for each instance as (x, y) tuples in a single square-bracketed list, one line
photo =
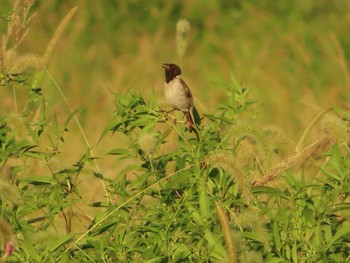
[(166, 66)]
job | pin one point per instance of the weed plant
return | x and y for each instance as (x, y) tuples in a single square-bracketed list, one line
[(194, 203), (226, 196)]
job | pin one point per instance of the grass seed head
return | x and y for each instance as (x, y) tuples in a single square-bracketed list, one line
[(147, 142), (182, 30)]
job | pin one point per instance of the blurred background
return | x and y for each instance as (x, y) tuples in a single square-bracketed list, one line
[(293, 55)]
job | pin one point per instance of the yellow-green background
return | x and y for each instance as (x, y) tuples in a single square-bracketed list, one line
[(293, 55)]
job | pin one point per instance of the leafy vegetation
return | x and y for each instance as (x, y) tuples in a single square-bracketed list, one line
[(232, 194)]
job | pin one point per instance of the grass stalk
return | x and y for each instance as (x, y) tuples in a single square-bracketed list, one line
[(81, 131), (318, 116), (227, 233), (123, 204)]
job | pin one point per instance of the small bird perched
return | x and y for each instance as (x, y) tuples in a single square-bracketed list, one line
[(177, 93)]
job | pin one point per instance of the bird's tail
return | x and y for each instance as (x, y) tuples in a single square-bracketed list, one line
[(196, 117)]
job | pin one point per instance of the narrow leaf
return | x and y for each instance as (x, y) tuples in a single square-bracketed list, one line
[(54, 245), (30, 249), (119, 151), (344, 230), (39, 180), (217, 249), (204, 203)]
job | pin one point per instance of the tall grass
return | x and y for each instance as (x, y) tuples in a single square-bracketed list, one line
[(248, 191)]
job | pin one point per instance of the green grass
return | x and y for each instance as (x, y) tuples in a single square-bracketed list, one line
[(93, 171)]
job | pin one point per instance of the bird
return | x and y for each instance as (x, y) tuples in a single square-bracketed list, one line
[(177, 93)]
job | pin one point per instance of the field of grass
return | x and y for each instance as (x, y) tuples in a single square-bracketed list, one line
[(91, 170)]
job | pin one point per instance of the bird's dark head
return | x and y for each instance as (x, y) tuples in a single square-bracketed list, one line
[(171, 71)]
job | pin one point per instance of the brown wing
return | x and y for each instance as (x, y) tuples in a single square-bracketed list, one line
[(187, 89)]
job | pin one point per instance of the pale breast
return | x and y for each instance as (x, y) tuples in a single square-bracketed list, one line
[(176, 95)]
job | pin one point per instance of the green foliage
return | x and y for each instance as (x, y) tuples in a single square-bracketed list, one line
[(309, 222), (167, 203), (194, 202), (174, 196)]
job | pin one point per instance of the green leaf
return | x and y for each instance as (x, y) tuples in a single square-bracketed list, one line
[(144, 121), (119, 151), (105, 226), (268, 190), (204, 203), (217, 118), (37, 78), (340, 207), (64, 257), (217, 249), (276, 260), (115, 123), (153, 260), (30, 249), (295, 252), (344, 230), (60, 241), (100, 204), (25, 210), (39, 180), (276, 235), (252, 236), (43, 111), (69, 118)]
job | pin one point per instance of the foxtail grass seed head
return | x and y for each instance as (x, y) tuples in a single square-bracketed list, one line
[(10, 192), (182, 31), (251, 256), (9, 249), (22, 63), (147, 142)]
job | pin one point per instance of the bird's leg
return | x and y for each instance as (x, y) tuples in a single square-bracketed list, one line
[(167, 112), (189, 121)]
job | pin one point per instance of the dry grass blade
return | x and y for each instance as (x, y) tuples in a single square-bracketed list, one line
[(341, 58), (56, 36), (309, 127), (227, 232), (324, 144), (16, 30)]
